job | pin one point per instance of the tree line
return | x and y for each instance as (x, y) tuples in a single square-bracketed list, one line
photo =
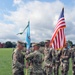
[(10, 44)]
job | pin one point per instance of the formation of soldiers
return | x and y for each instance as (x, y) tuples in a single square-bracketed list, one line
[(46, 63)]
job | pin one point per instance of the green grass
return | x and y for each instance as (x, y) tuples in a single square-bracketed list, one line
[(6, 62)]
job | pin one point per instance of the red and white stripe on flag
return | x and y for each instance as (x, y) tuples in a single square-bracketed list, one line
[(58, 39)]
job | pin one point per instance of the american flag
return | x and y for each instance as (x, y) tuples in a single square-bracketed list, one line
[(58, 38)]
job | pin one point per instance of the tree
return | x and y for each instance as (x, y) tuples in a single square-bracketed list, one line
[(8, 44), (70, 43)]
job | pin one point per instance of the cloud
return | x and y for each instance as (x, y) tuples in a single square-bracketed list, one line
[(43, 17), (17, 1), (7, 31)]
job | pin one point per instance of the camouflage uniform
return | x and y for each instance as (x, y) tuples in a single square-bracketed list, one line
[(18, 62), (48, 61), (73, 60), (36, 59), (65, 61), (56, 61)]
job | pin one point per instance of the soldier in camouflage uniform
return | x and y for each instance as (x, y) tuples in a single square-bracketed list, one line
[(73, 60), (56, 61), (47, 59), (18, 60), (65, 60), (36, 59)]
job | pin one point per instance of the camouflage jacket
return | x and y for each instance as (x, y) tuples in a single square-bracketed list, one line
[(17, 61), (73, 55), (56, 56), (48, 57), (36, 59), (66, 56)]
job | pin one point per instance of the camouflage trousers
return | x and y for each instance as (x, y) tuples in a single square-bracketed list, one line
[(56, 69), (19, 73), (48, 71), (65, 68), (36, 73), (32, 72)]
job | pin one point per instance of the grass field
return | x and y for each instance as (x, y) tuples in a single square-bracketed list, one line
[(6, 62)]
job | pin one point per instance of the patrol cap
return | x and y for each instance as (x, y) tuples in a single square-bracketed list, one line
[(35, 44), (47, 41), (22, 43)]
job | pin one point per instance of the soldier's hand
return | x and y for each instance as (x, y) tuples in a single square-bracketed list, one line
[(63, 56), (27, 66), (49, 65), (27, 52), (66, 56), (74, 65)]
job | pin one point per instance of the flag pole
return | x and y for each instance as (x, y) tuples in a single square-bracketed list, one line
[(27, 42), (26, 71)]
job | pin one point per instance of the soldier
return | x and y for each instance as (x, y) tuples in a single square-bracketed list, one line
[(73, 60), (36, 59), (56, 61), (47, 59), (18, 60), (65, 60)]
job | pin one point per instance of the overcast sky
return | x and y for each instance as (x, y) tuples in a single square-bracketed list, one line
[(42, 14)]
